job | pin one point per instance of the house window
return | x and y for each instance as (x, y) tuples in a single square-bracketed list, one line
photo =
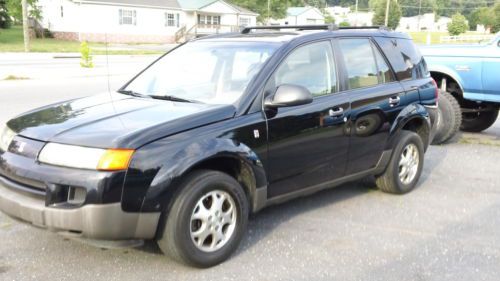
[(128, 17), (171, 19), (244, 21), (62, 12), (208, 20)]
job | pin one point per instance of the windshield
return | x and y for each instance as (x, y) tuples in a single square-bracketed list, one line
[(207, 72)]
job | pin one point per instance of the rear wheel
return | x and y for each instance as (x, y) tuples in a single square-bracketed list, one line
[(405, 166), (478, 121), (449, 119), (207, 220)]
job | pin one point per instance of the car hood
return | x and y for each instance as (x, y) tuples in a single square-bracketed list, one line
[(115, 120)]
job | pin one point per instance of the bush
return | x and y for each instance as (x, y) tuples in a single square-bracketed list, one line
[(458, 25), (86, 60), (344, 24)]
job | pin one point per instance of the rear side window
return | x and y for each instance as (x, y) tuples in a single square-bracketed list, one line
[(384, 71), (361, 59), (404, 57)]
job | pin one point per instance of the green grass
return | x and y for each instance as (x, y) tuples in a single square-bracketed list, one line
[(11, 40), (421, 36), (13, 77)]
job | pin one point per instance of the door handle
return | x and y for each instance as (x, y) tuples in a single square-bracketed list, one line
[(393, 101), (336, 112)]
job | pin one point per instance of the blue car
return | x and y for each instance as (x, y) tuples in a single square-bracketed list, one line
[(471, 74)]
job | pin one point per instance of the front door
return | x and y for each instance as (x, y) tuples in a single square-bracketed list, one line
[(308, 144)]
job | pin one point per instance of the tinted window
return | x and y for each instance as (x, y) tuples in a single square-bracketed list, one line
[(385, 73), (359, 62), (310, 66), (404, 57)]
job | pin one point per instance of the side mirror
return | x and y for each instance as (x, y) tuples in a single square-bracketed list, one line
[(289, 95)]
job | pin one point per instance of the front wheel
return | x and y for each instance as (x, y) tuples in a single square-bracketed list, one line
[(405, 166), (207, 219), (478, 121)]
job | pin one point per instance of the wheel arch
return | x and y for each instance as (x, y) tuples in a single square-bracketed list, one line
[(450, 75), (413, 118), (224, 155)]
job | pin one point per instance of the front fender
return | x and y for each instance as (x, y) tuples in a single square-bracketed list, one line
[(415, 117), (443, 69), (180, 158)]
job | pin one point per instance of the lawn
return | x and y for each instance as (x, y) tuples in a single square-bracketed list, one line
[(421, 37), (11, 40)]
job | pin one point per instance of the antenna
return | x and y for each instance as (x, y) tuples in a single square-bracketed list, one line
[(107, 64)]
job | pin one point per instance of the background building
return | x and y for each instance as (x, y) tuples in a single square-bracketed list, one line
[(154, 21)]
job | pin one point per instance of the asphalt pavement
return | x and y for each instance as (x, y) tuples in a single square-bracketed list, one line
[(448, 228)]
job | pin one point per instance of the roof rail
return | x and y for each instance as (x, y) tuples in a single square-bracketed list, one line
[(330, 27), (380, 27)]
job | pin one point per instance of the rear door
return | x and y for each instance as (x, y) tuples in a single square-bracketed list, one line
[(376, 100), (308, 144)]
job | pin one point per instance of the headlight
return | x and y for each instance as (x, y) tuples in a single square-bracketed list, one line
[(6, 136), (85, 157)]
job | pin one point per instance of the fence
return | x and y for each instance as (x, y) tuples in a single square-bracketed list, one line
[(465, 38)]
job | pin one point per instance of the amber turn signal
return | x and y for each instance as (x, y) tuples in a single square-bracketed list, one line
[(115, 160)]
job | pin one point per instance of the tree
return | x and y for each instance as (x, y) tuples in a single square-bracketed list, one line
[(413, 8), (496, 11), (5, 20), (485, 16), (277, 11), (458, 24), (15, 9), (394, 13), (328, 17)]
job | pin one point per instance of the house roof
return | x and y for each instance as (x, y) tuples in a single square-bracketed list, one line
[(194, 4), (146, 3), (173, 4), (199, 4), (296, 11)]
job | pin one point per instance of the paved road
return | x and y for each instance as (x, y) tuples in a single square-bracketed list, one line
[(447, 229)]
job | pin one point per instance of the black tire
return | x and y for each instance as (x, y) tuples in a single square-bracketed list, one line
[(176, 240), (449, 119), (390, 180), (478, 122)]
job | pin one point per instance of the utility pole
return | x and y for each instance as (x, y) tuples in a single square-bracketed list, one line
[(356, 20), (26, 28), (387, 12), (268, 11), (419, 10)]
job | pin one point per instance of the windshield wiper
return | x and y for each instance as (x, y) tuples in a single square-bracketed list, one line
[(173, 98), (134, 94)]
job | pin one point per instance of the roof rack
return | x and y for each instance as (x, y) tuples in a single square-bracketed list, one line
[(247, 29), (330, 27), (379, 27)]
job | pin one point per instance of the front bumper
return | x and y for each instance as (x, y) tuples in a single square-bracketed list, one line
[(96, 221)]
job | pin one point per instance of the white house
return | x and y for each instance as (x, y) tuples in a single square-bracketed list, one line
[(344, 14), (301, 16), (424, 22), (153, 21)]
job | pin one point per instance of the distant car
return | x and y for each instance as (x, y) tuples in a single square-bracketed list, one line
[(218, 128), (471, 74)]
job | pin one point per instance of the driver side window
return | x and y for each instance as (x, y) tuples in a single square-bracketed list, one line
[(310, 66)]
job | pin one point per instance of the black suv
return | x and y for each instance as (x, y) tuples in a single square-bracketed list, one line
[(219, 128)]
